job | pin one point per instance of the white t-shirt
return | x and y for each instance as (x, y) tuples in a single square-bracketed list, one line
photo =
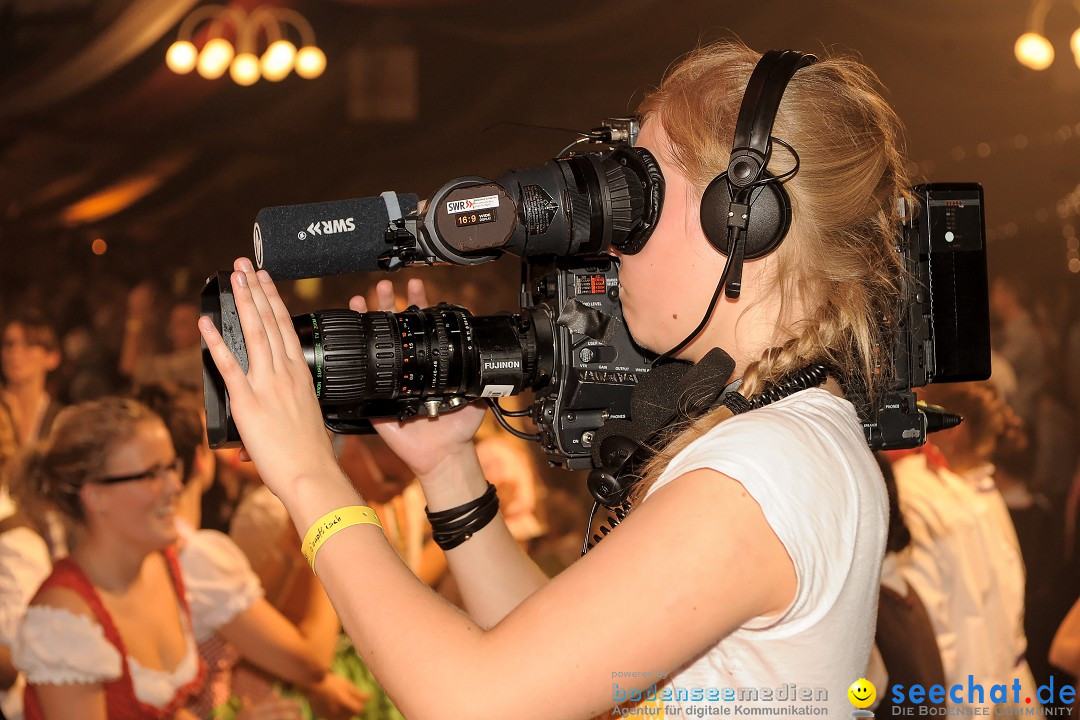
[(805, 461), (25, 562), (1004, 550), (24, 565), (965, 564)]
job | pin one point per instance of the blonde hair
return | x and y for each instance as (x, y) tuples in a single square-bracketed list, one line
[(842, 262), (51, 472)]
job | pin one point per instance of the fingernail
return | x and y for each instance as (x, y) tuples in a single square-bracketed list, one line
[(245, 265), (240, 278), (264, 277), (206, 324)]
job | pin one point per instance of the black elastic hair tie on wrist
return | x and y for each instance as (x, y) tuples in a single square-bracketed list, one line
[(450, 528)]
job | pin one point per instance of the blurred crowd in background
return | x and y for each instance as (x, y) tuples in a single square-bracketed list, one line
[(984, 550)]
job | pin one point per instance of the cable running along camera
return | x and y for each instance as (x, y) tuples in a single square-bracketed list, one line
[(568, 344)]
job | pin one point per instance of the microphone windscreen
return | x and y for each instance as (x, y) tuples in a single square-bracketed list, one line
[(328, 238)]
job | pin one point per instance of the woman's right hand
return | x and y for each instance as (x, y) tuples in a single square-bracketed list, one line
[(423, 443)]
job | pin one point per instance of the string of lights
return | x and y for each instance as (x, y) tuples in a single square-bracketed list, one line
[(266, 27), (1033, 49)]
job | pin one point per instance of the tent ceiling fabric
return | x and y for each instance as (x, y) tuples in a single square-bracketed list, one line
[(138, 27), (86, 105)]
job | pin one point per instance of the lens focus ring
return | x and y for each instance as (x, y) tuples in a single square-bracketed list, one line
[(385, 350), (342, 339)]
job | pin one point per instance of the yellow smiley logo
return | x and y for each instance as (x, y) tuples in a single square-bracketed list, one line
[(862, 693)]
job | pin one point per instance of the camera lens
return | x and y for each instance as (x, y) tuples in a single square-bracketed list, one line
[(581, 204), (440, 352)]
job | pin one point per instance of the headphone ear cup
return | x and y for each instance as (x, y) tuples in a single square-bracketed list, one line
[(770, 217)]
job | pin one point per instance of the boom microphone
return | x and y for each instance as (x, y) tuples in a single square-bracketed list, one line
[(328, 238)]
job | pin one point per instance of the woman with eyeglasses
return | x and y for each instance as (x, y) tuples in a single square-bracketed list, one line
[(108, 634)]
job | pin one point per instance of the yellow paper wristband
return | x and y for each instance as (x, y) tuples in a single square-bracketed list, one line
[(333, 522)]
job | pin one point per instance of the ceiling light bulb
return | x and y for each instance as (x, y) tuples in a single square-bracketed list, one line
[(245, 69), (1034, 51), (310, 62), (277, 61), (181, 57), (215, 58), (1074, 42)]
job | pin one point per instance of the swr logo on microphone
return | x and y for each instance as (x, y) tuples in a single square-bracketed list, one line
[(329, 227)]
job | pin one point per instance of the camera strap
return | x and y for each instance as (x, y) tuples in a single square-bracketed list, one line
[(673, 388), (621, 448), (669, 391)]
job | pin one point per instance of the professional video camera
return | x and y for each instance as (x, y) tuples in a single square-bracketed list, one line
[(568, 344)]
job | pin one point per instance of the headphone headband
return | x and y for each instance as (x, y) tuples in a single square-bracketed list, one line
[(761, 101)]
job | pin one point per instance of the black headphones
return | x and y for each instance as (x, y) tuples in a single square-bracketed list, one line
[(745, 211)]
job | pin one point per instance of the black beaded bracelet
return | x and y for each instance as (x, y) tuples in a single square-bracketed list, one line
[(450, 528)]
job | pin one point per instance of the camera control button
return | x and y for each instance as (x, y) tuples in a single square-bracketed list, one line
[(598, 354)]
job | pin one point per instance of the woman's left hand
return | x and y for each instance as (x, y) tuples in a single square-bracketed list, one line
[(273, 403)]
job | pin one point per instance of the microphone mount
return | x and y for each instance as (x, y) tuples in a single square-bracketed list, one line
[(403, 250)]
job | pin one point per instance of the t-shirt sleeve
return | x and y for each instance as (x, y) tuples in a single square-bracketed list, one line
[(808, 497), (219, 581), (55, 646)]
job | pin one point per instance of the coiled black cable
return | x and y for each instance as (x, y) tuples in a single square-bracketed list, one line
[(802, 379), (605, 527)]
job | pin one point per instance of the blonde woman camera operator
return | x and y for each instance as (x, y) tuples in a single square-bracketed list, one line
[(752, 557)]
